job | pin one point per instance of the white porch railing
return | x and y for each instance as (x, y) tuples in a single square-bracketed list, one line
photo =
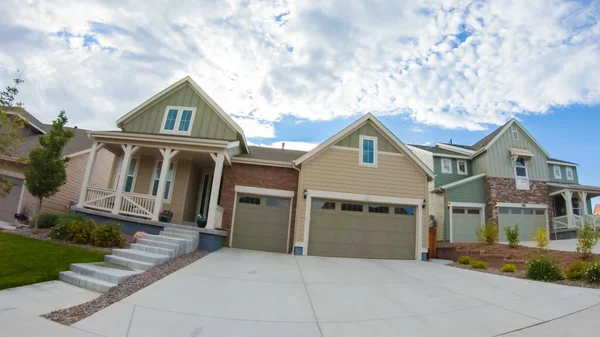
[(99, 198), (141, 205), (219, 217), (562, 222)]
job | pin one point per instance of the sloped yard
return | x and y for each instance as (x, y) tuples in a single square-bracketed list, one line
[(26, 261)]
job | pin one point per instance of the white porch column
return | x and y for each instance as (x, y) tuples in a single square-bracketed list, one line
[(583, 202), (214, 191), (167, 155), (568, 196), (128, 151), (88, 171)]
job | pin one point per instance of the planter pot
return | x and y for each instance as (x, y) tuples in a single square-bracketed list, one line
[(201, 222)]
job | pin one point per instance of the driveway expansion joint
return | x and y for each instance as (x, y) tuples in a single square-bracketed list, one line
[(309, 299)]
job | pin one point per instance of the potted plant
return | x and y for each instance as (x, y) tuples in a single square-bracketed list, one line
[(201, 221), (165, 216)]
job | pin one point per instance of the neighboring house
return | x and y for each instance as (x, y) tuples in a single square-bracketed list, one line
[(507, 178), (77, 149), (597, 210), (361, 193)]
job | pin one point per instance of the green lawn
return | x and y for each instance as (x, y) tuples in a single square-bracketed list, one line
[(25, 261)]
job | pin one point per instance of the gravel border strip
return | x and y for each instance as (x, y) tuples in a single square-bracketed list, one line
[(131, 285), (522, 275)]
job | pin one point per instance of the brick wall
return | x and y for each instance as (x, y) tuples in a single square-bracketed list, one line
[(505, 190), (256, 176)]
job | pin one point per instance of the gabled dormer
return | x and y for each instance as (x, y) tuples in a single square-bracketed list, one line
[(183, 109)]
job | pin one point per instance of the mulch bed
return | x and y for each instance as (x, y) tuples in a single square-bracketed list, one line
[(42, 234), (522, 275), (564, 259), (133, 284)]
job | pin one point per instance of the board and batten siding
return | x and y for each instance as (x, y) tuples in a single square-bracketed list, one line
[(337, 170), (367, 129), (480, 164), (499, 161), (447, 178), (207, 122), (563, 172)]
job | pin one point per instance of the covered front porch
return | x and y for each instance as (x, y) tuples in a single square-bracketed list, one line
[(157, 173), (572, 206)]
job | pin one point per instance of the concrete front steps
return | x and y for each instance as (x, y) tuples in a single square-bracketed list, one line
[(147, 252)]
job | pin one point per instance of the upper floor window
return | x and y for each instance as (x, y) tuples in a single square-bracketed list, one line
[(557, 172), (178, 120), (446, 165), (461, 167), (515, 133), (521, 175), (570, 175), (368, 151)]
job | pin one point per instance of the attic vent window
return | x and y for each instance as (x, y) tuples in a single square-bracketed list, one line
[(368, 151), (178, 120), (515, 133)]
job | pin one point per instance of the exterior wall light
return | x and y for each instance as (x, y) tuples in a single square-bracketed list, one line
[(424, 203), (449, 205), (305, 193)]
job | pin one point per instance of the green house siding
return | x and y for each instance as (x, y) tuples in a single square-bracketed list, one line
[(447, 178), (207, 122), (499, 161), (563, 172), (367, 129), (473, 192), (480, 164)]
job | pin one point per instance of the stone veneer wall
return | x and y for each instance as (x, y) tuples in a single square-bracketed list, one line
[(505, 190)]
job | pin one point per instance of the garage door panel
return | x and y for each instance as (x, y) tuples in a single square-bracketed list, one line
[(465, 225), (261, 223), (527, 220), (341, 233), (10, 202)]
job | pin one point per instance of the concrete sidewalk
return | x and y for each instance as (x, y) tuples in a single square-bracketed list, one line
[(247, 293)]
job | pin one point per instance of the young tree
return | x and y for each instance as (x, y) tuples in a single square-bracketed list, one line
[(9, 130), (47, 167)]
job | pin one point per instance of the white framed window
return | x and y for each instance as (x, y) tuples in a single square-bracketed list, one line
[(521, 175), (131, 175), (368, 151), (461, 167), (446, 165), (168, 184), (515, 133), (178, 120), (557, 172), (570, 175)]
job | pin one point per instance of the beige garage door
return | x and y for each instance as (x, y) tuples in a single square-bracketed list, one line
[(465, 223), (10, 202), (349, 229), (261, 223), (528, 219)]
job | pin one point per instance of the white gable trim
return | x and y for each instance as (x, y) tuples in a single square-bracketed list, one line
[(14, 113), (200, 92), (454, 148), (506, 128), (350, 128), (561, 163), (462, 182)]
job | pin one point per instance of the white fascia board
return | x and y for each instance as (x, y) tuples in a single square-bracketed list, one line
[(264, 191), (561, 163), (454, 148), (463, 181), (451, 156)]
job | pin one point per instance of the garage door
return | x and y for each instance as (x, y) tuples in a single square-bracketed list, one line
[(10, 202), (261, 223), (528, 220), (348, 229), (465, 223)]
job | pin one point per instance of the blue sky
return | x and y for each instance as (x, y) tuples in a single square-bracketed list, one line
[(298, 71)]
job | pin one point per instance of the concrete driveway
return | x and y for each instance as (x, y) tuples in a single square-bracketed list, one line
[(247, 293)]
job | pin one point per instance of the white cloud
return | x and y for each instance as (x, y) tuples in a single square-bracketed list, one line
[(451, 63), (290, 145)]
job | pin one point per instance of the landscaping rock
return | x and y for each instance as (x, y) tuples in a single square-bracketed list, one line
[(133, 284)]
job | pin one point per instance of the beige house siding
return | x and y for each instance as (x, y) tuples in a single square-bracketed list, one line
[(337, 170), (191, 197), (368, 129), (437, 206)]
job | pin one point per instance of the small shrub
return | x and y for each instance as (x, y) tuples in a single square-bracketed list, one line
[(107, 235), (464, 260), (587, 239), (577, 270), (592, 273), (478, 265), (488, 233), (541, 237), (512, 236), (80, 231), (509, 268), (543, 267), (46, 220), (61, 229)]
